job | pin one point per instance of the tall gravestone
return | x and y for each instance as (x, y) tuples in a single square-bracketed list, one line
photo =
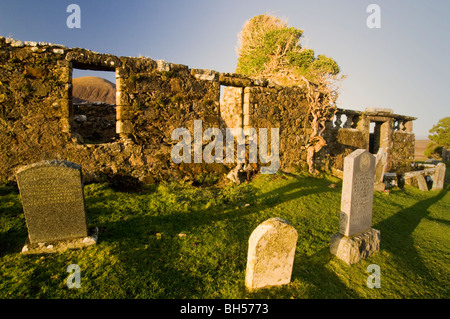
[(356, 239), (271, 250), (439, 176), (53, 202)]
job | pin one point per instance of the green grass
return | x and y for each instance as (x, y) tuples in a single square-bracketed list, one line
[(141, 254)]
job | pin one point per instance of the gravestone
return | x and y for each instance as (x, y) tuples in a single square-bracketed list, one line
[(53, 203), (445, 154), (356, 239), (380, 169), (271, 253), (422, 183), (439, 177)]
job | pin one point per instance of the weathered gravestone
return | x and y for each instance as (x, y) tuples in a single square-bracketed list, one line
[(53, 203), (380, 169), (356, 239), (422, 183), (271, 251), (445, 154), (439, 177)]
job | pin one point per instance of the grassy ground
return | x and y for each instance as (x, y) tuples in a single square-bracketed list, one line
[(180, 241)]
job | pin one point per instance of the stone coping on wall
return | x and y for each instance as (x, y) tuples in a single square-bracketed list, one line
[(87, 59), (378, 112)]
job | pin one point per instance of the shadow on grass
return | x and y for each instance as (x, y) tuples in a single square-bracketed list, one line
[(397, 234), (11, 213), (160, 261), (152, 267), (316, 280)]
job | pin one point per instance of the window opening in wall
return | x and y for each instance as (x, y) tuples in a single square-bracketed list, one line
[(374, 136), (94, 105)]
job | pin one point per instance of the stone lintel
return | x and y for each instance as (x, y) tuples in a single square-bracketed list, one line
[(231, 79)]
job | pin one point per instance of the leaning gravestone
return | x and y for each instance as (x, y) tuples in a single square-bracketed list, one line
[(271, 251), (356, 239), (422, 183), (439, 177), (53, 203), (380, 169)]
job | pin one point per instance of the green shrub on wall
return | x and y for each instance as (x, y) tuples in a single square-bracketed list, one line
[(268, 47), (433, 150)]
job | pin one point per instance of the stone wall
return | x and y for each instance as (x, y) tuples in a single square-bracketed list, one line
[(34, 86), (284, 108), (402, 151), (95, 122), (342, 142), (38, 120)]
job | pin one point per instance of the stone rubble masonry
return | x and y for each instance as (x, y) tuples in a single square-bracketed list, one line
[(38, 120), (271, 250)]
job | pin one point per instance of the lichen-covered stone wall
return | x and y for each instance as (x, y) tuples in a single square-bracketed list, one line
[(284, 108), (95, 122), (402, 151), (38, 120), (342, 142), (34, 83)]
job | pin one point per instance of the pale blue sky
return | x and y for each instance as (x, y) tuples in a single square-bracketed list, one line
[(403, 65)]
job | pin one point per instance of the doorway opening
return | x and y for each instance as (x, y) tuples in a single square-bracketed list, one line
[(374, 136)]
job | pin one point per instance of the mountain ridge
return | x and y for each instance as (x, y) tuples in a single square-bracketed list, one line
[(93, 89)]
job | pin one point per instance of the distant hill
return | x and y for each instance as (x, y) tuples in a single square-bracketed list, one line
[(93, 89)]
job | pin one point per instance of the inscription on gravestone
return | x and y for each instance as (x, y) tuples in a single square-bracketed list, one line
[(357, 193), (53, 200)]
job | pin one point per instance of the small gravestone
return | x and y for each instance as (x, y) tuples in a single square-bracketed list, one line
[(422, 183), (356, 239), (439, 177), (445, 154), (53, 203), (390, 180), (271, 251)]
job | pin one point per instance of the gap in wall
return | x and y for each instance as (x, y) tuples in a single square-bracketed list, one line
[(94, 105)]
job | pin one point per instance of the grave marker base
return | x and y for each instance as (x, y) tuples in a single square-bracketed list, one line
[(61, 245), (357, 247)]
